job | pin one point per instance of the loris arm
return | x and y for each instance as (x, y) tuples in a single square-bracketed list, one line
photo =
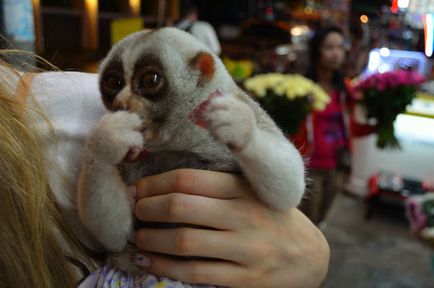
[(103, 202), (275, 169), (270, 162)]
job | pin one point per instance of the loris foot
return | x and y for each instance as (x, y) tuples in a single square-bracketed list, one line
[(124, 260), (115, 135), (229, 120)]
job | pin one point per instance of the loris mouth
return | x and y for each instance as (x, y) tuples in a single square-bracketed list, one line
[(142, 155), (136, 154)]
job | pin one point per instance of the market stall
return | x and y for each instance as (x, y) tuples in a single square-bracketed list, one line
[(414, 129)]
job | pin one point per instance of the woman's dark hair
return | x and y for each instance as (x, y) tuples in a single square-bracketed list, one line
[(315, 56), (188, 8)]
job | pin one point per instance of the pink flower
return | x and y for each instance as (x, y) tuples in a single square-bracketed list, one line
[(390, 80)]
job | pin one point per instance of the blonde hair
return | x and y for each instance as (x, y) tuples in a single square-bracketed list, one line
[(33, 233)]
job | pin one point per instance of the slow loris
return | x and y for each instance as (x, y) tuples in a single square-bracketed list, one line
[(152, 82)]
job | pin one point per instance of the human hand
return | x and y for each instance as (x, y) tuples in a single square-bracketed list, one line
[(256, 246)]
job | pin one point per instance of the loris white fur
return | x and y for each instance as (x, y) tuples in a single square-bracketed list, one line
[(152, 82)]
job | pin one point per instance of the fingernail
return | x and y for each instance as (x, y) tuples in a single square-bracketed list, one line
[(141, 260), (132, 191)]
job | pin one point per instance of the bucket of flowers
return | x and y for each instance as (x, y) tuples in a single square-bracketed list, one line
[(239, 69), (287, 98), (384, 96), (420, 213)]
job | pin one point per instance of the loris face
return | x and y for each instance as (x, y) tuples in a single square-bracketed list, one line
[(161, 76)]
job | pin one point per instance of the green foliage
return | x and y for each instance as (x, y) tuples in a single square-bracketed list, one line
[(287, 114), (385, 106)]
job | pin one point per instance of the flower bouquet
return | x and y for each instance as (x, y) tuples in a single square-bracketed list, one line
[(420, 212), (385, 95), (239, 69), (287, 98)]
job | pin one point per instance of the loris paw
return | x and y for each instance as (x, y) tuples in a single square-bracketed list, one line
[(230, 120), (129, 261), (116, 136)]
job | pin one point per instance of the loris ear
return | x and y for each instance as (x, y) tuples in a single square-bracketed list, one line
[(204, 62)]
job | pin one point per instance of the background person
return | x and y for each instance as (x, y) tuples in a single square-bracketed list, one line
[(327, 134), (203, 31)]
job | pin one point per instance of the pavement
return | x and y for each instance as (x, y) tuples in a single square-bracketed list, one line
[(377, 253)]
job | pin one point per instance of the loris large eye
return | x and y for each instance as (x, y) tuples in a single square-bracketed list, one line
[(114, 83), (149, 82)]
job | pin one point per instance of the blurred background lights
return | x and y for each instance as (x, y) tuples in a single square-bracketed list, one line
[(364, 19), (403, 4), (374, 60), (384, 52), (299, 30), (428, 31)]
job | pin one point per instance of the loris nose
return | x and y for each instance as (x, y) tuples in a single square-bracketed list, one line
[(119, 105)]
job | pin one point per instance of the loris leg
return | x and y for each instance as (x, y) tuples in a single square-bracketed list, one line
[(104, 204), (270, 162)]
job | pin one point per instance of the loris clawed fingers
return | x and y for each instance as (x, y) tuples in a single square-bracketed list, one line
[(230, 121), (115, 135)]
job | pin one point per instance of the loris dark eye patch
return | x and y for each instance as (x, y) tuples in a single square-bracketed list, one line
[(111, 82)]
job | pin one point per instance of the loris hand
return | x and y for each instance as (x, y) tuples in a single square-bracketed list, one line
[(257, 246), (229, 120), (115, 135)]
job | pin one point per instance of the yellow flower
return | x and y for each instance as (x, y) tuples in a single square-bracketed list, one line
[(289, 85), (238, 69)]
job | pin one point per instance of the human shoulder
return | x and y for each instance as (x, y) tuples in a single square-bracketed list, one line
[(71, 100), (184, 25), (73, 87), (201, 26)]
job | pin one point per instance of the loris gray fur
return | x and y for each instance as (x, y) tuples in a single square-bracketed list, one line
[(152, 82)]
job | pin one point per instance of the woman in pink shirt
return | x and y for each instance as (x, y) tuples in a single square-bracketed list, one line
[(327, 134)]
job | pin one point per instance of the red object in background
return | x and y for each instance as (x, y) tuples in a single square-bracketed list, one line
[(428, 185), (391, 186), (373, 185), (394, 8), (387, 183)]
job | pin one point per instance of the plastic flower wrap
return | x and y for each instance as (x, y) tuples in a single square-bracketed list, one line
[(385, 95), (287, 98)]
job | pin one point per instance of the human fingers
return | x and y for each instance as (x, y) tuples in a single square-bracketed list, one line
[(293, 253), (219, 273), (186, 241), (195, 182), (297, 252), (310, 250), (184, 208)]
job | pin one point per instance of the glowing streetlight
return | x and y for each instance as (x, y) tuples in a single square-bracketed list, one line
[(364, 19)]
